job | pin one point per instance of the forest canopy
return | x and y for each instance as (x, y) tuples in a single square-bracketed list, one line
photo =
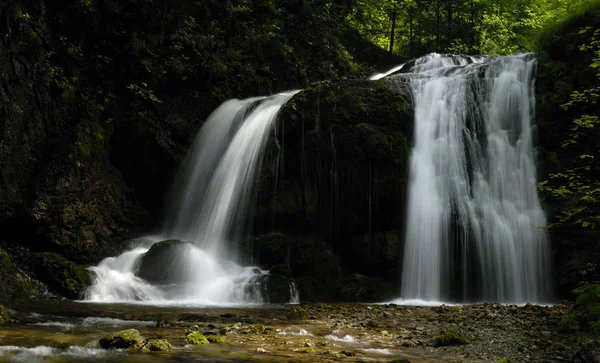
[(409, 28)]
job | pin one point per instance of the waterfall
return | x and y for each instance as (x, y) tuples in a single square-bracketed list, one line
[(474, 227), (210, 201)]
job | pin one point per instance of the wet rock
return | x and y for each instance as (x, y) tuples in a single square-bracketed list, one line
[(125, 339), (157, 345), (6, 315), (276, 288), (61, 275), (162, 263), (448, 338), (15, 286)]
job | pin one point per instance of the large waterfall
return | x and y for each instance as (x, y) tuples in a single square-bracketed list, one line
[(474, 221), (209, 204)]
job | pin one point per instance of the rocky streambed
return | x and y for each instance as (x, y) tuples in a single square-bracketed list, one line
[(64, 331)]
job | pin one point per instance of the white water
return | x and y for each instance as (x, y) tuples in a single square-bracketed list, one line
[(474, 221), (208, 208)]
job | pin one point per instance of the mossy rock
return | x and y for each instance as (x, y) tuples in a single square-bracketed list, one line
[(216, 339), (448, 338), (6, 315), (162, 263), (15, 286), (61, 275), (505, 360), (125, 339), (157, 345), (196, 338)]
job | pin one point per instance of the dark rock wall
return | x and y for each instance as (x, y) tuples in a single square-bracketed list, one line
[(337, 169)]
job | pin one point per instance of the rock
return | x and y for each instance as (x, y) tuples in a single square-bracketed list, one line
[(448, 338), (363, 288), (157, 345), (6, 315), (261, 350), (125, 339), (162, 263), (196, 338), (276, 288), (15, 286), (216, 339), (401, 360), (61, 275)]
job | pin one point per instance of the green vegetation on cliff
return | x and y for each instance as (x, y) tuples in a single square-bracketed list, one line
[(568, 84)]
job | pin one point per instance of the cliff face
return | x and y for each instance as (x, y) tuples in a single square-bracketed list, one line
[(100, 100)]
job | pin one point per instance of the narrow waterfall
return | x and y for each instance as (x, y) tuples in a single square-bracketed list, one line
[(474, 220), (210, 200)]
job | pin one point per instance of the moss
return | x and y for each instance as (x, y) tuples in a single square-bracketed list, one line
[(6, 315), (259, 328), (310, 350), (196, 338), (505, 360), (448, 338), (124, 339), (216, 339)]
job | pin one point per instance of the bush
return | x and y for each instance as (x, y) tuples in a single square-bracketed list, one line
[(585, 314)]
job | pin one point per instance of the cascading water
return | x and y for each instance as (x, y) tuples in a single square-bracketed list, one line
[(209, 207), (474, 220)]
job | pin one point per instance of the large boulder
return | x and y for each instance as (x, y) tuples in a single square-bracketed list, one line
[(125, 339), (162, 263)]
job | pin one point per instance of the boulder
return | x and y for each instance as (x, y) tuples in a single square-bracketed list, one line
[(157, 345), (125, 339), (162, 263)]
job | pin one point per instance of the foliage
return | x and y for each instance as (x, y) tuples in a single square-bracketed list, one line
[(578, 186), (460, 26), (585, 315)]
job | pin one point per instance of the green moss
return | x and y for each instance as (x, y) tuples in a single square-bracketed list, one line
[(310, 350), (448, 338), (505, 360), (216, 339), (196, 338), (259, 328), (5, 315)]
